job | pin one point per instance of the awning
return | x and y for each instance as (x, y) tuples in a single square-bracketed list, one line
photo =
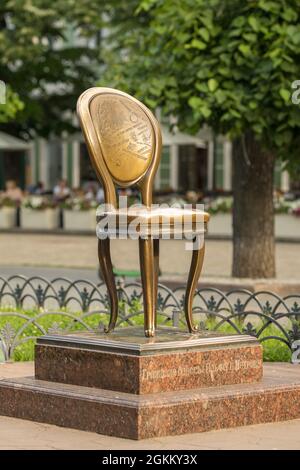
[(168, 138), (179, 138), (8, 142)]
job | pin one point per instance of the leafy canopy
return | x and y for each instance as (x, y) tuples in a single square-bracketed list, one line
[(229, 64), (48, 56), (10, 104)]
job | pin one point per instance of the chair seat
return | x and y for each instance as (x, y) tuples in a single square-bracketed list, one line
[(156, 222)]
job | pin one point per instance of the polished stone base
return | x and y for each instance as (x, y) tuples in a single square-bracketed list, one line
[(275, 398), (125, 385), (126, 361)]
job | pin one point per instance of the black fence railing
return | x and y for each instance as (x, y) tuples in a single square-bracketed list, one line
[(31, 307)]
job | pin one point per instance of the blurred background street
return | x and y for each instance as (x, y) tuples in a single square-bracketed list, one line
[(75, 256)]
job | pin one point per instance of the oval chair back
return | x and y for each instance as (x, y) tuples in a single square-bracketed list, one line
[(123, 139)]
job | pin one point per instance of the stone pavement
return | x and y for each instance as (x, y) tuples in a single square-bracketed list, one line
[(75, 251), (20, 434)]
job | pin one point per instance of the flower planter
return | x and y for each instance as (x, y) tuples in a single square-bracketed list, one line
[(8, 217), (34, 219), (286, 225), (220, 224), (79, 220)]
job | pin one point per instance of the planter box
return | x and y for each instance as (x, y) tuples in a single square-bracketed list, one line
[(286, 225), (8, 217), (220, 224), (79, 220), (47, 219)]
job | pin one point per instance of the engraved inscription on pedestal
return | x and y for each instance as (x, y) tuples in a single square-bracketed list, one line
[(202, 369), (126, 136)]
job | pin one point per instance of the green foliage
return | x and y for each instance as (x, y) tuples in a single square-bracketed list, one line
[(10, 108), (273, 350), (24, 352), (276, 351), (228, 64), (47, 58)]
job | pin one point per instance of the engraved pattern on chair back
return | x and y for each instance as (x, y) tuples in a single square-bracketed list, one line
[(123, 140)]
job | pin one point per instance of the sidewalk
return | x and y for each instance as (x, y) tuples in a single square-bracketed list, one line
[(20, 434), (81, 252)]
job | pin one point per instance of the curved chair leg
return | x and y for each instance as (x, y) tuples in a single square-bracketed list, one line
[(108, 275), (194, 274), (156, 274), (146, 249)]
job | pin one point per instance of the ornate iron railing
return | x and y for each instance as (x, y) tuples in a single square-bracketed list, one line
[(31, 307)]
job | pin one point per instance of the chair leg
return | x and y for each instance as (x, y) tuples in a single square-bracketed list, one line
[(148, 275), (156, 273), (108, 276), (194, 274)]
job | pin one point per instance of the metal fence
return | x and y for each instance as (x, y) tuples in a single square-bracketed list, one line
[(31, 307)]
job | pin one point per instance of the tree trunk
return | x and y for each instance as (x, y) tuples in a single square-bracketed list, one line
[(253, 211)]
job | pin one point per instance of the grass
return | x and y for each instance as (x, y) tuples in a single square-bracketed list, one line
[(273, 350)]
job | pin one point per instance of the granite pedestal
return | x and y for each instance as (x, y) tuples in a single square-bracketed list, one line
[(125, 385), (126, 361)]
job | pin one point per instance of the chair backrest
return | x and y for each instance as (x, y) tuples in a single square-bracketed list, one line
[(123, 139)]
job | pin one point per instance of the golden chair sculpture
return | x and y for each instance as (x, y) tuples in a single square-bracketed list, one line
[(124, 143)]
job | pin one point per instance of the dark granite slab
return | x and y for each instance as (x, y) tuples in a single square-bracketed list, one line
[(275, 398)]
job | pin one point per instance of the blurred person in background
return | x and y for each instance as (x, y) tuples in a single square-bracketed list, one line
[(90, 193), (77, 193), (12, 191), (38, 188), (100, 195), (61, 191)]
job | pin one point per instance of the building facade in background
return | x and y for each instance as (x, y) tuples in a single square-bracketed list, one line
[(202, 163)]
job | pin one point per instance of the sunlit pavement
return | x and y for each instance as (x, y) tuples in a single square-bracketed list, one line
[(76, 257)]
